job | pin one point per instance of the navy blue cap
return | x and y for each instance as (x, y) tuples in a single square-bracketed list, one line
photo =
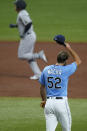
[(59, 38)]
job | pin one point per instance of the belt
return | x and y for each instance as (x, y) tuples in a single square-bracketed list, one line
[(54, 97)]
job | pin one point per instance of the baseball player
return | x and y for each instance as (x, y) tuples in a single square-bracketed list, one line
[(28, 39), (53, 90)]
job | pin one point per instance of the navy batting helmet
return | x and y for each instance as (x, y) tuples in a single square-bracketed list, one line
[(20, 4)]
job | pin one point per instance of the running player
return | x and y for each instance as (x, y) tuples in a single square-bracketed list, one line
[(53, 90), (28, 39)]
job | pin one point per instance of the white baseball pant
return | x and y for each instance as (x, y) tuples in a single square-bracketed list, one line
[(26, 49), (57, 110)]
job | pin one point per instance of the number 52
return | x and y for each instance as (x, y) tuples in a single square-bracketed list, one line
[(53, 82)]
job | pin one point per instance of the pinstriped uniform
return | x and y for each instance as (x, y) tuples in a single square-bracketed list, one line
[(27, 42)]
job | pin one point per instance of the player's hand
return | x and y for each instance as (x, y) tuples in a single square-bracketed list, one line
[(67, 45), (12, 25), (43, 104), (22, 36)]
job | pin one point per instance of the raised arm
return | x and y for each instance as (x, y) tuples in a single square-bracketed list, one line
[(73, 54)]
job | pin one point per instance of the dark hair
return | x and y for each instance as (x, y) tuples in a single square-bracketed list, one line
[(62, 57), (20, 4)]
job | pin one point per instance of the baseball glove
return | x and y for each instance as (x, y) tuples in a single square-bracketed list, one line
[(60, 39)]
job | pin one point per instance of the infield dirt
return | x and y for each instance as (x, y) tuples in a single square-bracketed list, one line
[(14, 73)]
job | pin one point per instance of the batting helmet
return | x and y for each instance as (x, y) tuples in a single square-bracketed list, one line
[(20, 4)]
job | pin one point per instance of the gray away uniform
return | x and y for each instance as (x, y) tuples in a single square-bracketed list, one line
[(27, 43)]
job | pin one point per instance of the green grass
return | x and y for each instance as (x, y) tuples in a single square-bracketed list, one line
[(25, 114), (49, 18)]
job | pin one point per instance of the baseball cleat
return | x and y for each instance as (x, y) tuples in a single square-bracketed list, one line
[(43, 56), (35, 77)]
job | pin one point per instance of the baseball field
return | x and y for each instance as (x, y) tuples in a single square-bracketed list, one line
[(19, 97)]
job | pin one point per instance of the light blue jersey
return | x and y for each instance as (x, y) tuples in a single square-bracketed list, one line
[(55, 79)]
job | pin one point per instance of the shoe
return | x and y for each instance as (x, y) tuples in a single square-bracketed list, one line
[(43, 56), (35, 77)]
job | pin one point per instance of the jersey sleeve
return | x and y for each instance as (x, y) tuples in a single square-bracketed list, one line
[(42, 80), (71, 68), (25, 19)]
